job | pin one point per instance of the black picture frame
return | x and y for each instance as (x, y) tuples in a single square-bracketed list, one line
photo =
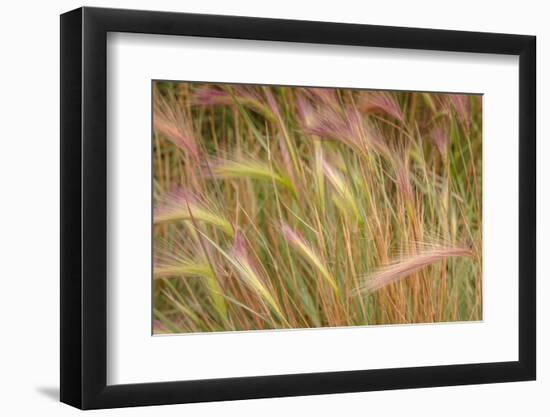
[(84, 207)]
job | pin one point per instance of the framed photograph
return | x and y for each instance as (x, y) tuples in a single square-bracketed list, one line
[(257, 208)]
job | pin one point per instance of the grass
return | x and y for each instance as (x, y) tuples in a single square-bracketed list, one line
[(280, 207)]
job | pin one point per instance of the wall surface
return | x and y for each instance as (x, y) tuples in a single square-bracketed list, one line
[(29, 225)]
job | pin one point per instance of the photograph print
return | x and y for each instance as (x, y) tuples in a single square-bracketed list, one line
[(282, 207)]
